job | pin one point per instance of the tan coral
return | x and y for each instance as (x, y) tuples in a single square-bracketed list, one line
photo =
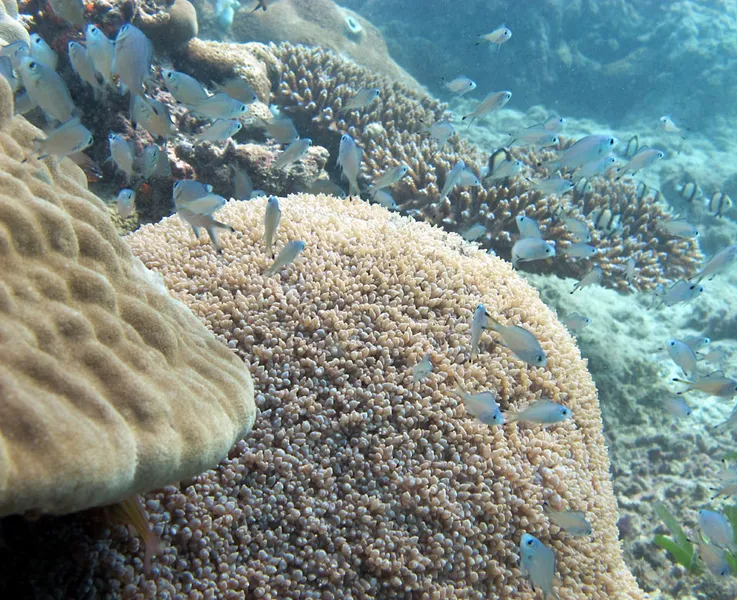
[(321, 23), (217, 61), (316, 83), (357, 482), (109, 386), (169, 28)]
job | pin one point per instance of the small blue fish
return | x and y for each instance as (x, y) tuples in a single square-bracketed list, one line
[(47, 89), (183, 87), (126, 203), (219, 106), (461, 85), (528, 227), (42, 52), (572, 522), (575, 322), (349, 159), (592, 277), (286, 257), (483, 406), (132, 60), (585, 150), (521, 342), (529, 249), (682, 355), (678, 407), (714, 559), (293, 153), (477, 327), (422, 369), (717, 529), (101, 51), (538, 562), (542, 412), (121, 154), (272, 216), (361, 99), (579, 250), (207, 222), (718, 263), (218, 131)]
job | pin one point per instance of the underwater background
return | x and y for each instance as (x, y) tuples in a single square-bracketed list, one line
[(324, 100)]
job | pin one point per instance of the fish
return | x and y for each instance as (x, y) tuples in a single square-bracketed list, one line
[(714, 558), (730, 422), (460, 86), (131, 512), (679, 228), (474, 232), (717, 529), (483, 406), (272, 216), (150, 161), (389, 177), (538, 562), (719, 204), (6, 70), (385, 199), (83, 67), (204, 204), (467, 178), (493, 102), (541, 412), (497, 37), (47, 90), (715, 355), (218, 131), (422, 369), (153, 116), (237, 88), (696, 342), (207, 222), (555, 124), (666, 124), (585, 150), (688, 191), (219, 106), (42, 52), (502, 165), (185, 88), (281, 129), (572, 522), (286, 257), (529, 249), (121, 153), (349, 159), (645, 157), (596, 167), (101, 52), (682, 355), (440, 131), (330, 188), (579, 250), (187, 191), (72, 11), (292, 154), (520, 341), (718, 263), (578, 228), (68, 138), (264, 4), (16, 51), (528, 227), (131, 60), (629, 271), (126, 203), (678, 407), (633, 145), (681, 291), (242, 184), (361, 99), (452, 178), (713, 384), (477, 328), (575, 322), (592, 277), (555, 185)]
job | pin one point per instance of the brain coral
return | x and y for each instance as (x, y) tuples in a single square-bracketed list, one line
[(109, 387), (315, 84), (357, 482)]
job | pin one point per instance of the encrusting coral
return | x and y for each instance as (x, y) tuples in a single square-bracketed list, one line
[(316, 83), (109, 386), (356, 481)]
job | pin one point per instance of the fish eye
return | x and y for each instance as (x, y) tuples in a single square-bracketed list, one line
[(611, 141), (530, 542), (540, 358)]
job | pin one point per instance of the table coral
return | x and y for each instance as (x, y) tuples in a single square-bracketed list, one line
[(316, 83), (109, 387), (357, 481)]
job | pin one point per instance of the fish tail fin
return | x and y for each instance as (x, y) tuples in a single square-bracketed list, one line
[(353, 189)]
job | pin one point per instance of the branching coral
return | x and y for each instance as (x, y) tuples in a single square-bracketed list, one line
[(357, 481), (109, 387), (315, 84)]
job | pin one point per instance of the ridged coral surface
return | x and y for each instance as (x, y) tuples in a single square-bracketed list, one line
[(109, 386), (356, 481)]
